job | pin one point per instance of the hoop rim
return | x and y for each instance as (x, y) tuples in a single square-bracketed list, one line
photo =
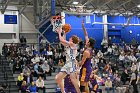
[(57, 17)]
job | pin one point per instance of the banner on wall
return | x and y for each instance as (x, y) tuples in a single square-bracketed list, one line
[(88, 19), (10, 19)]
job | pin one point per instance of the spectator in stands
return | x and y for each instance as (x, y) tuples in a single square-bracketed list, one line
[(60, 64), (23, 41), (32, 88), (2, 89), (125, 76), (110, 39), (26, 70), (114, 67), (101, 64), (100, 54), (110, 74), (122, 58), (37, 58), (20, 79), (40, 84), (133, 67), (5, 50), (49, 53), (24, 87), (127, 60), (133, 58), (109, 51), (51, 64), (13, 54), (63, 56), (134, 81), (96, 59), (138, 64), (56, 58), (42, 44), (44, 52), (104, 45), (33, 60), (40, 71), (138, 54), (94, 64), (116, 52), (15, 39), (118, 84), (42, 58), (35, 73), (117, 77), (46, 69), (108, 85), (114, 46), (17, 67), (36, 52), (28, 78), (138, 48), (107, 68)]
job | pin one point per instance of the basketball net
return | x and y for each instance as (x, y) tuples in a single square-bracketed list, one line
[(56, 22)]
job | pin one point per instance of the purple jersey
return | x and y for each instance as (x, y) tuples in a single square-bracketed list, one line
[(86, 69), (94, 84), (69, 87)]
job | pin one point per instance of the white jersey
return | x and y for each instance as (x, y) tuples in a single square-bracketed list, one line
[(70, 65), (70, 53)]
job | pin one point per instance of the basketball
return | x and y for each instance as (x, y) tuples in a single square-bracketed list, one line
[(66, 28)]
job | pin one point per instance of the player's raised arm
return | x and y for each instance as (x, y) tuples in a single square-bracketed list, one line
[(85, 56), (62, 38), (85, 32)]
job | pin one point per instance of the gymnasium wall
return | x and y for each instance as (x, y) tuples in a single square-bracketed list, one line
[(28, 30), (126, 33), (8, 31), (116, 30), (95, 31)]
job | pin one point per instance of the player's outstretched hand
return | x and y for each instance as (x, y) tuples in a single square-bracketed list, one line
[(59, 30)]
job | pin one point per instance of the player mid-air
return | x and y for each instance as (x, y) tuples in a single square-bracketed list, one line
[(86, 68), (71, 53)]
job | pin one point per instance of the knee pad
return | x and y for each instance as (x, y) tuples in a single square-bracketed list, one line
[(82, 88)]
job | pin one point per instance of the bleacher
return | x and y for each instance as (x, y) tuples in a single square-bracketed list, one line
[(50, 83)]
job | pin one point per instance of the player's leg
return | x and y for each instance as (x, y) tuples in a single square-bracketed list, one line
[(59, 79), (74, 81), (87, 88), (83, 87)]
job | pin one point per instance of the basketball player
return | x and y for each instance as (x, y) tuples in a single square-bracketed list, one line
[(69, 87), (86, 68), (69, 67), (93, 82)]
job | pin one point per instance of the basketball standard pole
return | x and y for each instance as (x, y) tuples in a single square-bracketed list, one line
[(53, 7)]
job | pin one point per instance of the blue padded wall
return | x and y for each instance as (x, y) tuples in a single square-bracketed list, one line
[(95, 31), (125, 30)]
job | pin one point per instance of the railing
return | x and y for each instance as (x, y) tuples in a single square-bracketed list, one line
[(5, 74)]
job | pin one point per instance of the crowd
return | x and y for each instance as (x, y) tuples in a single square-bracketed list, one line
[(116, 74), (29, 62)]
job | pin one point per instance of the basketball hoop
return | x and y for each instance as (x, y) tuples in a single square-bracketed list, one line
[(56, 21)]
